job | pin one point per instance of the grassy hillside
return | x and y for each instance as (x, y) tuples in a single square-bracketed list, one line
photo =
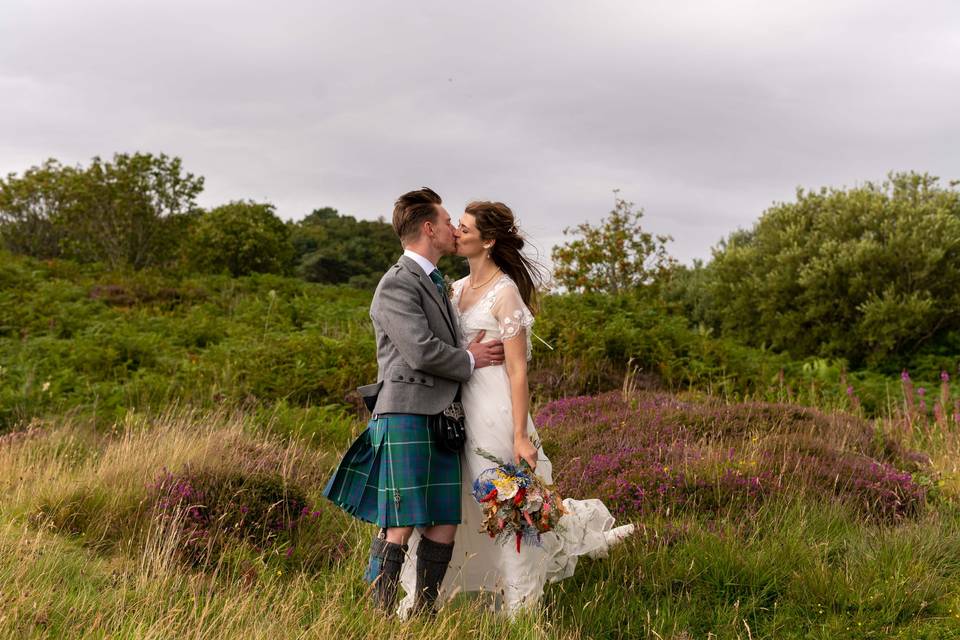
[(164, 439), (756, 521), (97, 344)]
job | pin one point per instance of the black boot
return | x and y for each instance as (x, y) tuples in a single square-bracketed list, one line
[(386, 559), (433, 558)]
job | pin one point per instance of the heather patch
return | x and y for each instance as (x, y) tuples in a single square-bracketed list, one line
[(653, 453), (210, 510), (215, 492)]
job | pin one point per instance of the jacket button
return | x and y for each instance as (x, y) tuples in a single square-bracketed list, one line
[(423, 380), (412, 379)]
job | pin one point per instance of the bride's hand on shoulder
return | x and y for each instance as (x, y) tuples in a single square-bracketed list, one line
[(523, 449)]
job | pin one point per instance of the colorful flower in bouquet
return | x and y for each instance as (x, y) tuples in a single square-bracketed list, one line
[(516, 503)]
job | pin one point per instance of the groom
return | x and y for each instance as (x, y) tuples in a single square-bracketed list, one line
[(394, 474)]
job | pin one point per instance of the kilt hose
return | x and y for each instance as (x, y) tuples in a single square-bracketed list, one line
[(394, 475)]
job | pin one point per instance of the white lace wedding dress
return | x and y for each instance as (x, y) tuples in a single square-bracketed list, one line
[(479, 563)]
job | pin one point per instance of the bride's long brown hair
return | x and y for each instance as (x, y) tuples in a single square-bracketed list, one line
[(495, 221)]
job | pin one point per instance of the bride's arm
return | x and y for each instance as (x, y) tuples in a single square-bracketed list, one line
[(515, 353)]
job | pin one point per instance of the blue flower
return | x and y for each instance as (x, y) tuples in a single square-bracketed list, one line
[(481, 487)]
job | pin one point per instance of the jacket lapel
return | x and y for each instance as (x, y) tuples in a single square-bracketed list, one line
[(431, 288)]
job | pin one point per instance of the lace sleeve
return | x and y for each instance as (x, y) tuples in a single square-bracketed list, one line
[(513, 316)]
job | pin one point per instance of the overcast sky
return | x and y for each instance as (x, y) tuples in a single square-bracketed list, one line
[(703, 113)]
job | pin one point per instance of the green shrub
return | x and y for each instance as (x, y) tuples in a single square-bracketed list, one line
[(241, 238), (867, 274)]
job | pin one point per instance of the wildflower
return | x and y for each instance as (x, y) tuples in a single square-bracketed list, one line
[(46, 386), (921, 391), (506, 488), (944, 376), (904, 376)]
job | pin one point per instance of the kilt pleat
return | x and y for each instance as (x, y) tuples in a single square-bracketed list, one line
[(393, 475)]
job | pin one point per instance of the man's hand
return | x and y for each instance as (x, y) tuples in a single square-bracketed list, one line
[(487, 353)]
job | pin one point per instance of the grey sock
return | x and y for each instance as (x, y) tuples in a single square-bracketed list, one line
[(433, 558), (390, 558)]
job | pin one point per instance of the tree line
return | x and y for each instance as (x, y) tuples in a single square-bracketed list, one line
[(869, 274), (138, 211)]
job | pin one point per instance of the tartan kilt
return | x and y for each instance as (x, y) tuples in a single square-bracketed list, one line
[(394, 475)]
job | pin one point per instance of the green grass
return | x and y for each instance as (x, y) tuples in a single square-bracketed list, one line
[(82, 554)]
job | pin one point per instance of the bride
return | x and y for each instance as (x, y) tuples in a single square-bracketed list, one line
[(499, 297)]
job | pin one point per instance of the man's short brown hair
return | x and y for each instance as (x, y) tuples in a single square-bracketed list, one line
[(412, 209)]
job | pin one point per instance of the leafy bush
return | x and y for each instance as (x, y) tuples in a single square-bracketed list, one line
[(241, 238), (616, 256), (597, 338), (868, 274), (128, 212), (337, 249)]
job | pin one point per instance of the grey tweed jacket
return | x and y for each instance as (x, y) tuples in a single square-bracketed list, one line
[(419, 362)]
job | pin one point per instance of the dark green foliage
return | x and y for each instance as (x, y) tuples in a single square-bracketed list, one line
[(338, 249), (31, 206), (869, 274), (241, 238), (602, 342), (128, 212), (595, 336), (335, 249)]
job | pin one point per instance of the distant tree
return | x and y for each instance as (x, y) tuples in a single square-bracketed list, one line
[(321, 215), (865, 274), (688, 290), (614, 257), (453, 267), (31, 208), (241, 238), (337, 249), (128, 212)]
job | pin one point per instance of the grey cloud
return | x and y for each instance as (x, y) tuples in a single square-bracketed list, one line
[(703, 113)]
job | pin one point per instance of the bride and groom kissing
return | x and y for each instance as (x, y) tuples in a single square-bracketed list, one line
[(432, 343)]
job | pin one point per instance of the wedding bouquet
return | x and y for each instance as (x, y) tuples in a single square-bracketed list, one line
[(517, 504)]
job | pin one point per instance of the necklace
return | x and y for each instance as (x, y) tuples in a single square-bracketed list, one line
[(480, 286)]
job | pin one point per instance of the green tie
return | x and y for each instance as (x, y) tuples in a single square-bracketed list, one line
[(438, 280)]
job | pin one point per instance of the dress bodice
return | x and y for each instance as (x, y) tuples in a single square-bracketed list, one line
[(500, 311)]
